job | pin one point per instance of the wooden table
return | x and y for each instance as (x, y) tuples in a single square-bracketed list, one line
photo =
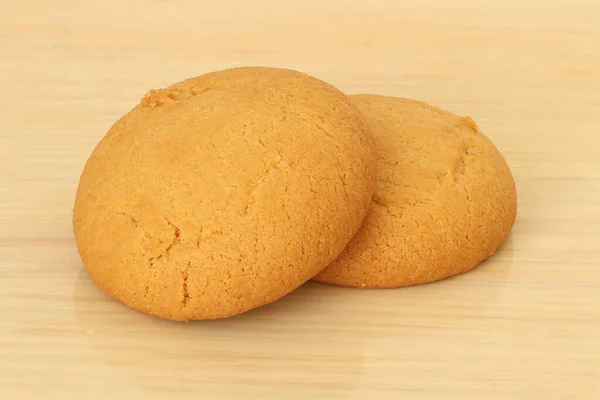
[(525, 325)]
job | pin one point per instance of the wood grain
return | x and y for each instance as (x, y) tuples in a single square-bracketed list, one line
[(525, 325)]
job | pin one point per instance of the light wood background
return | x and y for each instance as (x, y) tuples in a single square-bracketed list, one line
[(525, 325)]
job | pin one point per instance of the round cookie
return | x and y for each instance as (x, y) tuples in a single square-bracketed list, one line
[(224, 192), (445, 199)]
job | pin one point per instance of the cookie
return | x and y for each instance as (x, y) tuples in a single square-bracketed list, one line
[(223, 192), (445, 199)]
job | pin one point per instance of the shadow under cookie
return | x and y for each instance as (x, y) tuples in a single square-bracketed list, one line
[(289, 346), (316, 341), (437, 306)]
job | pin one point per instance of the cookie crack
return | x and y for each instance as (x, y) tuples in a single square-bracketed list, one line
[(160, 97), (338, 169), (176, 237), (131, 217), (167, 252), (268, 168), (459, 169), (469, 211), (184, 277), (465, 153), (268, 171), (379, 201)]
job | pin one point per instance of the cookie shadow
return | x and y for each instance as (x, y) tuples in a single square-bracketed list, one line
[(284, 347), (437, 306), (313, 342)]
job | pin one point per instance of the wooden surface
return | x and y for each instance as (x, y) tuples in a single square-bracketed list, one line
[(525, 325)]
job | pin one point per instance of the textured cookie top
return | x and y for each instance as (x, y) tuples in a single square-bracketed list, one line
[(224, 192), (445, 198)]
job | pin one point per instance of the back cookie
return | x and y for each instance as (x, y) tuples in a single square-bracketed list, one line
[(445, 199)]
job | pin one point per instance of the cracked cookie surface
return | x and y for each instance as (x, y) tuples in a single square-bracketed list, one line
[(445, 199), (223, 192)]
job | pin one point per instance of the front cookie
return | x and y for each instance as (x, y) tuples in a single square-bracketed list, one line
[(224, 192)]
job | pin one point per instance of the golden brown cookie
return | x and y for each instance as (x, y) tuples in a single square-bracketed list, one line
[(445, 199), (224, 192)]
